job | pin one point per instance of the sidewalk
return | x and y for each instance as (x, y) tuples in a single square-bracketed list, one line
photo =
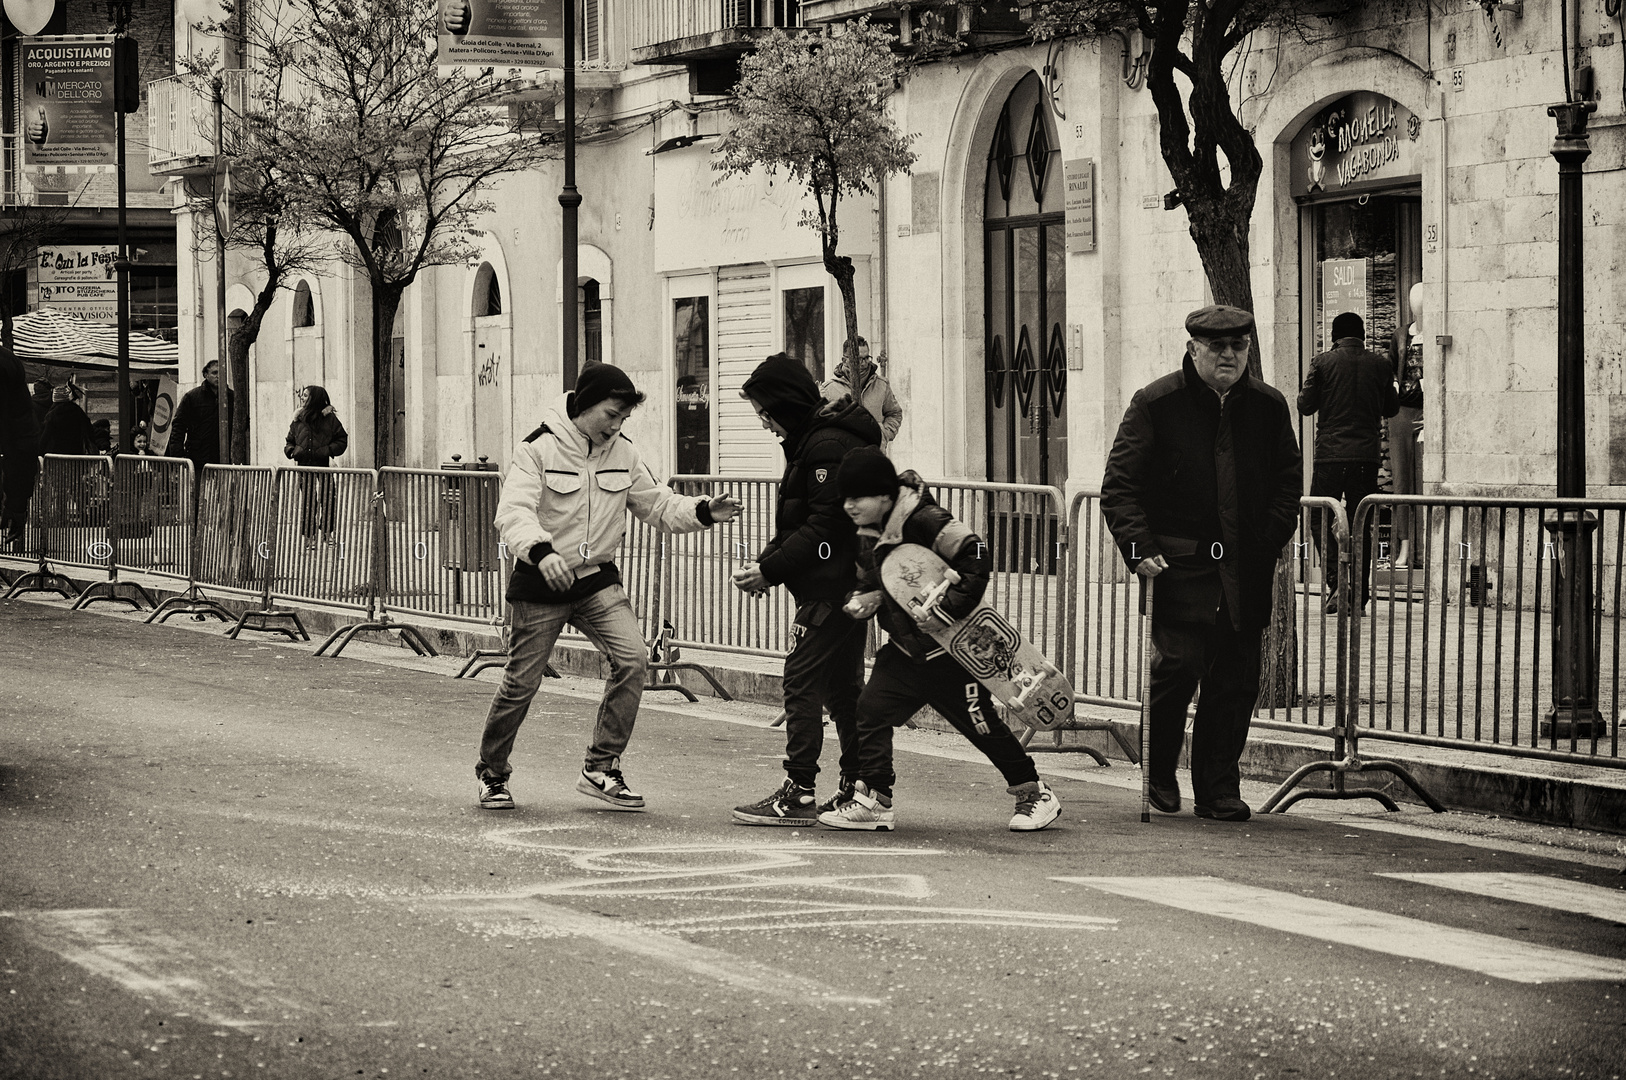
[(1551, 793)]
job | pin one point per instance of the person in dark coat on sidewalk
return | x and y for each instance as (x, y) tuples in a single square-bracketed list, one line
[(315, 438), (19, 450), (42, 402), (812, 553), (195, 432), (67, 429), (1353, 390), (1202, 492)]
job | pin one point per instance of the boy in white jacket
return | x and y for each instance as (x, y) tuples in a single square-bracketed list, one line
[(562, 514)]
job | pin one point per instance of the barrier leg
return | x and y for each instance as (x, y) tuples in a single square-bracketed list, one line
[(128, 592), (42, 580), (190, 602), (346, 634), (1058, 747), (265, 622), (1280, 801), (672, 684), (486, 658)]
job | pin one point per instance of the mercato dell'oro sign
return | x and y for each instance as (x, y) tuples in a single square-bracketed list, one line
[(1356, 143)]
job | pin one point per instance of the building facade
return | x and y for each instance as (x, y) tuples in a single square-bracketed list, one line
[(1025, 277)]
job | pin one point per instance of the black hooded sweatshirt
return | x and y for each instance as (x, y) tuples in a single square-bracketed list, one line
[(815, 545)]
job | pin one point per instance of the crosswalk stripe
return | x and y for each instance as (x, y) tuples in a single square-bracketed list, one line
[(1538, 889), (1376, 931)]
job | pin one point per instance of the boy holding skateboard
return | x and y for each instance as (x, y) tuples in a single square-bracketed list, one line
[(912, 669)]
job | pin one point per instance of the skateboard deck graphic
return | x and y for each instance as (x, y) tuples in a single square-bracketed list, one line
[(1017, 674)]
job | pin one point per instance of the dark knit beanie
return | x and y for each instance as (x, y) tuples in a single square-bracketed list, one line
[(598, 382), (1348, 324), (866, 471)]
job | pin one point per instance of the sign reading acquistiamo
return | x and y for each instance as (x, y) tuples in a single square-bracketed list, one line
[(1357, 143), (67, 117), (527, 36)]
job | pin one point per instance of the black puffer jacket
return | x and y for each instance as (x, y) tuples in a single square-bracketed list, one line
[(814, 543), (316, 436), (917, 519)]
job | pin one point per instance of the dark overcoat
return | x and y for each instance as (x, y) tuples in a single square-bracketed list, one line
[(1215, 493)]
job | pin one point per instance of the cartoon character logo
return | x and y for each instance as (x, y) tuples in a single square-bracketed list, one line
[(987, 646), (1318, 151)]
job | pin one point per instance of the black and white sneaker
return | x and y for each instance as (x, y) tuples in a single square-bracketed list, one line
[(844, 792), (791, 805), (611, 787), (494, 793)]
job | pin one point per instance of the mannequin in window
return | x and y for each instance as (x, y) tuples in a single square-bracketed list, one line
[(1406, 427)]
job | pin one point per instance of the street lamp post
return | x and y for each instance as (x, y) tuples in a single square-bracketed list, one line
[(1575, 665), (119, 10), (569, 200)]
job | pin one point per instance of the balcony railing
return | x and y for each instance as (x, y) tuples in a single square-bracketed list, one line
[(181, 120), (656, 22)]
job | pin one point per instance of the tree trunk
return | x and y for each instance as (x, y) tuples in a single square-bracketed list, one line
[(840, 267), (237, 346), (386, 301)]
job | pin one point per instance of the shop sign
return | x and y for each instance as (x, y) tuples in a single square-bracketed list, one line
[(1343, 288), (68, 123), (1079, 204), (501, 34), (79, 280), (1356, 143)]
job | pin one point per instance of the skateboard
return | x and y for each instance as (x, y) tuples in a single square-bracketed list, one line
[(1017, 674)]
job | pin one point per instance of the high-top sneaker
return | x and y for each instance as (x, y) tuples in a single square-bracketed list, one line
[(791, 804), (1036, 806), (865, 810)]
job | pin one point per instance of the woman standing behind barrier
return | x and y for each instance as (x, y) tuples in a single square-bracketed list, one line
[(562, 515), (315, 438)]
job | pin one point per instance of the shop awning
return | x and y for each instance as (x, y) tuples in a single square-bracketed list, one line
[(55, 337)]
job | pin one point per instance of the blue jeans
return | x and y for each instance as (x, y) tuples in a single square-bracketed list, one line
[(607, 620)]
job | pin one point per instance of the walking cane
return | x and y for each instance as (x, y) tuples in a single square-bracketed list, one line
[(1146, 709)]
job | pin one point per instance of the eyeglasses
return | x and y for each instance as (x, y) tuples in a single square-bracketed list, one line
[(1219, 345)]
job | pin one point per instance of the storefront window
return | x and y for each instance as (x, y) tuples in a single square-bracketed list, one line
[(804, 328), (691, 328)]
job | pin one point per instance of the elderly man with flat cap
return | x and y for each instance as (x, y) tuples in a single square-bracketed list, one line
[(1202, 492)]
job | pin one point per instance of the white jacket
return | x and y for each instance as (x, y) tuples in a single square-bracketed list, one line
[(561, 491)]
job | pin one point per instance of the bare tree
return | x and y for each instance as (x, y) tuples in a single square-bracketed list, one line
[(815, 107), (367, 146)]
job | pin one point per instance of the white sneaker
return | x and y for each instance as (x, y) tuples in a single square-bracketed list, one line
[(1036, 806), (864, 810)]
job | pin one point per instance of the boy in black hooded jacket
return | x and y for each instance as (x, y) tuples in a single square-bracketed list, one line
[(811, 553), (912, 669)]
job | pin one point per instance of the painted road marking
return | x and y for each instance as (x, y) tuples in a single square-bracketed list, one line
[(1538, 889), (1376, 931), (109, 942), (527, 917)]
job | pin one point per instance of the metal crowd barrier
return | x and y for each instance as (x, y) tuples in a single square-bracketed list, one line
[(71, 514), (151, 528), (1463, 647), (1304, 659), (705, 609), (57, 531)]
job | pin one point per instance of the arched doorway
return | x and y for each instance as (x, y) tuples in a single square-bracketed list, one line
[(1025, 294)]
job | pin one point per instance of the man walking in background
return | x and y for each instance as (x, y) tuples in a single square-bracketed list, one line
[(195, 433), (862, 379), (1352, 389)]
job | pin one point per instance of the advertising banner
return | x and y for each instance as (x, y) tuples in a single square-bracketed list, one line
[(67, 105), (502, 34), (163, 415), (1356, 143), (80, 280)]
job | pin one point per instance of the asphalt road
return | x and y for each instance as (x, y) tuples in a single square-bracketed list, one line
[(234, 859)]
